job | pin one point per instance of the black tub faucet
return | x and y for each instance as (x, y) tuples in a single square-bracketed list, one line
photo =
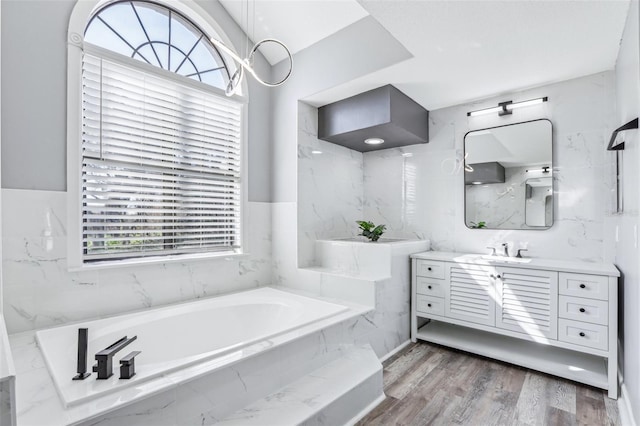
[(104, 358)]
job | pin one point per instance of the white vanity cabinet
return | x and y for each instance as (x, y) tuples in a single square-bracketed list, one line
[(559, 317)]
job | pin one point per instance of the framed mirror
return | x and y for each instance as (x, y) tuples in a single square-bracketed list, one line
[(509, 176)]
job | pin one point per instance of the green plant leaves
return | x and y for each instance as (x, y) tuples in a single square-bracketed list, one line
[(370, 230)]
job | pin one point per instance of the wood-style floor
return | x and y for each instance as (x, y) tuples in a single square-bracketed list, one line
[(429, 384)]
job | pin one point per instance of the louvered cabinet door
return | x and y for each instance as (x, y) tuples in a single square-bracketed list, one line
[(527, 301), (470, 296)]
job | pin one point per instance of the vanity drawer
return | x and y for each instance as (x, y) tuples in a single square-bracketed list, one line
[(430, 287), (583, 334), (429, 305), (430, 269), (581, 309), (581, 285)]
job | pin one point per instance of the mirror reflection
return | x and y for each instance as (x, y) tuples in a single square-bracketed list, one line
[(508, 176)]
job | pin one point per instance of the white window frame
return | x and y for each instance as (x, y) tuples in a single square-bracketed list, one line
[(80, 16)]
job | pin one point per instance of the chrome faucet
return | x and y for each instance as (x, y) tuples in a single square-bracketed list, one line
[(506, 249), (104, 358)]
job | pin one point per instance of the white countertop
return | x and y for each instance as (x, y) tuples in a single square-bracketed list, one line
[(574, 266)]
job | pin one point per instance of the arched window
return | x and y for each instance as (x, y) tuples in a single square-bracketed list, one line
[(161, 158), (159, 36)]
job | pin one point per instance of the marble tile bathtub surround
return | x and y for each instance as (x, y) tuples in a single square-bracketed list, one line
[(418, 191), (40, 292), (200, 394)]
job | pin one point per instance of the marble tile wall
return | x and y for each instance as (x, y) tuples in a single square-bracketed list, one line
[(330, 187), (417, 191), (40, 292)]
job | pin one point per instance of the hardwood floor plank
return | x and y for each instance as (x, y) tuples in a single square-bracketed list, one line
[(438, 410), (505, 393), (590, 408), (531, 406), (407, 361), (409, 380), (562, 394), (473, 407), (433, 385), (611, 407), (558, 417)]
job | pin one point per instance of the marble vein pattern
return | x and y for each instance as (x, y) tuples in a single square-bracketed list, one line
[(39, 291), (330, 187)]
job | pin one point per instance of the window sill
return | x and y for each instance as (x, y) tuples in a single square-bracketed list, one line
[(182, 258)]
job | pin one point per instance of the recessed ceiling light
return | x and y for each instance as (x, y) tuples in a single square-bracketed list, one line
[(374, 141), (315, 151)]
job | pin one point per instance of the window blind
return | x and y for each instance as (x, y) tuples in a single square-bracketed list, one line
[(160, 165)]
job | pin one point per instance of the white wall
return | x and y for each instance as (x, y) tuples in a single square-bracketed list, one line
[(624, 252), (422, 195)]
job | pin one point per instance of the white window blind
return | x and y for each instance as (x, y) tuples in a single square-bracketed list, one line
[(160, 165)]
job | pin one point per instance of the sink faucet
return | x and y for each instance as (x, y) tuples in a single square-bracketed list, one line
[(104, 358), (506, 249)]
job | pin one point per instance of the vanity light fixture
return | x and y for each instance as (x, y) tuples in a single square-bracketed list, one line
[(507, 107), (544, 169), (374, 141)]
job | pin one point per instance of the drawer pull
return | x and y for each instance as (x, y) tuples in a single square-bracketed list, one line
[(492, 276), (582, 334), (583, 286), (429, 287), (583, 310), (429, 304)]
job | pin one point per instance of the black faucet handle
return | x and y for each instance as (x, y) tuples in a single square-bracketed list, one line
[(519, 252), (104, 358), (128, 365), (83, 341)]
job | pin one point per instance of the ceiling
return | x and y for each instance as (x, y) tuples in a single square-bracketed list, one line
[(298, 23), (462, 50)]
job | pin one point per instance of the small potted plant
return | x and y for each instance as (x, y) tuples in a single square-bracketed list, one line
[(371, 231)]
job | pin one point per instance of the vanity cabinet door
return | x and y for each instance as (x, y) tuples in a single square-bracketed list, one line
[(470, 295), (527, 301)]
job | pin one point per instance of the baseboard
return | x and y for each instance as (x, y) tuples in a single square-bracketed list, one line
[(367, 410), (395, 351), (624, 409)]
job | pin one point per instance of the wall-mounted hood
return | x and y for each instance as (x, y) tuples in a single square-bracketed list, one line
[(385, 113), (492, 172)]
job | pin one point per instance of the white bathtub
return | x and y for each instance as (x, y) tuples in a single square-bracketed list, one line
[(174, 337)]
